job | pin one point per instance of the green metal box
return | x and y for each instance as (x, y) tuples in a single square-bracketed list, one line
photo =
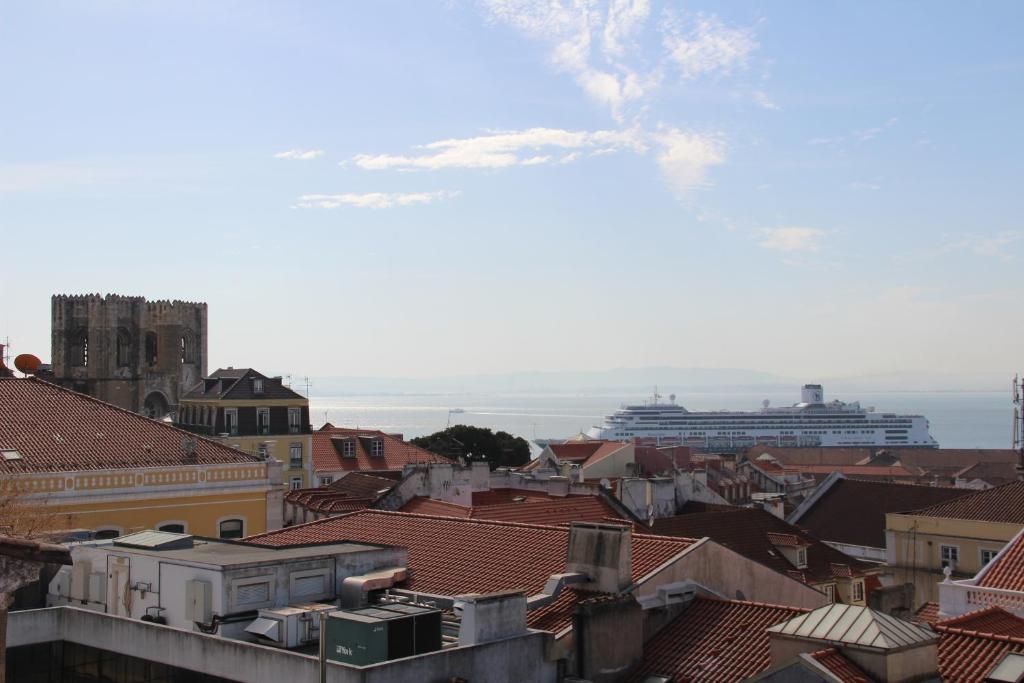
[(368, 635)]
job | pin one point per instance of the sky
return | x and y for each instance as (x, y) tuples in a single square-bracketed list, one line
[(427, 188)]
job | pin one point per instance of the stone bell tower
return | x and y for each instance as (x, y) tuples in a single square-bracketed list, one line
[(137, 354)]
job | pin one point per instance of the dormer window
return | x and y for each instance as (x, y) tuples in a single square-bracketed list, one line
[(348, 449), (257, 385), (377, 448), (801, 558)]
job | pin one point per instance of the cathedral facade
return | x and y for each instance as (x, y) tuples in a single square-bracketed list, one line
[(139, 355)]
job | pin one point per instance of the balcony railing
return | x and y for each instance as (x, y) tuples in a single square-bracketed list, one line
[(960, 597)]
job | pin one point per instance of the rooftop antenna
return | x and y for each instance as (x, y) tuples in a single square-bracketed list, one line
[(1018, 424), (308, 384)]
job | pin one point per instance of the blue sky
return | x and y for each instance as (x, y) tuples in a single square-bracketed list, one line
[(429, 188)]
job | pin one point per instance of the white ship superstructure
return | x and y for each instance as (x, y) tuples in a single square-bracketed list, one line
[(811, 423)]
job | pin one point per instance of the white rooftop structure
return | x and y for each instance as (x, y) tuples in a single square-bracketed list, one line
[(841, 625)]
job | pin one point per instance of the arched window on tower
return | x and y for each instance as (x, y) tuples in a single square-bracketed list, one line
[(80, 348), (151, 348), (188, 347), (124, 348)]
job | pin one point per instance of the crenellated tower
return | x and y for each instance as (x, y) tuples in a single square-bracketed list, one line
[(137, 354)]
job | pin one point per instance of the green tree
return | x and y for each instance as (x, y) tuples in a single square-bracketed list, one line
[(497, 449)]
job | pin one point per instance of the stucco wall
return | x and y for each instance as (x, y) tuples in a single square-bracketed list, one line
[(733, 576), (505, 661)]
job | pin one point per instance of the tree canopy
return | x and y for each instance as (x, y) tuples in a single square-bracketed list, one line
[(497, 449)]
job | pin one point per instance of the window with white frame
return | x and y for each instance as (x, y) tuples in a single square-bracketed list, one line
[(949, 555), (830, 592), (858, 591), (296, 483), (377, 448), (231, 421), (801, 558), (294, 420), (295, 455), (263, 420), (257, 385), (324, 481), (348, 449), (987, 556)]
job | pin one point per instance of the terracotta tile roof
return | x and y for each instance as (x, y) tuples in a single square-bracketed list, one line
[(968, 656), (992, 473), (787, 540), (557, 616), (586, 453), (59, 430), (354, 491), (866, 471), (714, 641), (929, 459), (749, 531), (928, 613), (548, 510), (422, 505), (451, 556), (654, 461), (1000, 504), (840, 667), (327, 451), (842, 515), (1007, 570), (992, 619)]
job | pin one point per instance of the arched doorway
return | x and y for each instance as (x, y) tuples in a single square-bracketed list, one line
[(155, 406)]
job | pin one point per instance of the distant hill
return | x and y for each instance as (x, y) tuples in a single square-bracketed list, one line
[(633, 381)]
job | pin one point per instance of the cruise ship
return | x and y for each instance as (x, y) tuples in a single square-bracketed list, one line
[(810, 423)]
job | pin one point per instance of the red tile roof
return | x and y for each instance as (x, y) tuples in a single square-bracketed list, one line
[(992, 473), (750, 532), (396, 455), (1000, 504), (866, 471), (354, 491), (714, 641), (992, 619), (586, 453), (928, 613), (450, 556), (517, 505), (841, 515), (59, 430), (967, 656), (840, 667), (1007, 570)]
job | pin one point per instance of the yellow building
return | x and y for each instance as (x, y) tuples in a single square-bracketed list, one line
[(254, 413), (90, 465), (963, 534)]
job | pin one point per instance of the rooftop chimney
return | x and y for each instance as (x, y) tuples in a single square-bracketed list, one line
[(604, 553)]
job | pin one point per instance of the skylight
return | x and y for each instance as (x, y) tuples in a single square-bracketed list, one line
[(10, 454)]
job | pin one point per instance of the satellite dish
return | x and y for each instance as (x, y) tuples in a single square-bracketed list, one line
[(672, 398), (27, 363)]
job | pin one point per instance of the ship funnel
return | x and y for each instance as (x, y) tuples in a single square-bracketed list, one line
[(812, 393)]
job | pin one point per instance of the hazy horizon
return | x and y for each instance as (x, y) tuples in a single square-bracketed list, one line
[(426, 190)]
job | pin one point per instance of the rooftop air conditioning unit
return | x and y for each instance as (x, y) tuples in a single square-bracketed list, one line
[(289, 627)]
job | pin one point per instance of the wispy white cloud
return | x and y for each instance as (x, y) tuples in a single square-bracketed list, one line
[(590, 40), (703, 45), (502, 149), (872, 133), (372, 200), (995, 246), (762, 100), (791, 239), (596, 42), (872, 185), (300, 154), (684, 158)]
